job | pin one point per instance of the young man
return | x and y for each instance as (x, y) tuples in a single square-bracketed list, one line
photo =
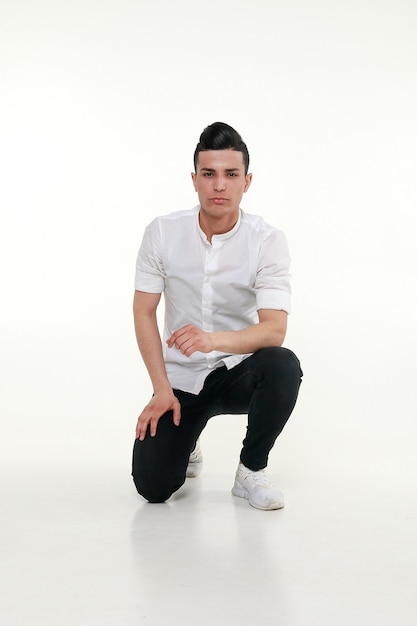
[(224, 275)]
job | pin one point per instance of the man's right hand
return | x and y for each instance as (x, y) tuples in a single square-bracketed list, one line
[(160, 403)]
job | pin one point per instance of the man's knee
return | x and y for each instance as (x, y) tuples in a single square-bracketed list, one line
[(156, 469), (155, 481), (281, 361), (154, 488)]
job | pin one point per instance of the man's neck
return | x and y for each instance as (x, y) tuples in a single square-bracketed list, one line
[(211, 225)]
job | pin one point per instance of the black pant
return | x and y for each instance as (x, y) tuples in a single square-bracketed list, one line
[(264, 385)]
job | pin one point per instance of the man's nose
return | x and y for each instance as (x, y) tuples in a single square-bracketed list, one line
[(219, 183)]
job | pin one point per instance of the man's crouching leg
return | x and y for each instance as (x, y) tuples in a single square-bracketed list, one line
[(156, 474), (160, 463)]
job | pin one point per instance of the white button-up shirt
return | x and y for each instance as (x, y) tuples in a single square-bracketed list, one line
[(217, 287)]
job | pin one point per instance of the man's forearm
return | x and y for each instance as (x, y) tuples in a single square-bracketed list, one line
[(248, 340), (269, 332), (149, 342)]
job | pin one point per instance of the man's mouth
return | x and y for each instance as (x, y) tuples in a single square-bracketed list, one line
[(219, 200)]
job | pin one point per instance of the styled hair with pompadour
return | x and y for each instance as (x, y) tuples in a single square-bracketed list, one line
[(221, 136)]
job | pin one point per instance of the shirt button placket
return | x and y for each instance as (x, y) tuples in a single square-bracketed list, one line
[(207, 290)]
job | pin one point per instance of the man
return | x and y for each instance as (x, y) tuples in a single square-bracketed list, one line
[(224, 275)]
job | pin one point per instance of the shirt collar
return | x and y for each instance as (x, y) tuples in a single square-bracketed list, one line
[(223, 236)]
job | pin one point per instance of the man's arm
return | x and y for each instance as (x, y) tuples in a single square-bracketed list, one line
[(269, 332), (149, 342)]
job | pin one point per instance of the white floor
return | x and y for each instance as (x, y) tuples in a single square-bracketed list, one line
[(80, 548)]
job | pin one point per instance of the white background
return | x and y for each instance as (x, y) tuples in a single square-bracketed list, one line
[(102, 103)]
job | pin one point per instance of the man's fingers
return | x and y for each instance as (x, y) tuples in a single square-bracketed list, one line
[(177, 414), (183, 341), (179, 336), (145, 419), (153, 425), (142, 429), (149, 418), (184, 345)]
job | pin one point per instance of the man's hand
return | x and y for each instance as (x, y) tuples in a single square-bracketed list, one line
[(160, 403), (190, 339)]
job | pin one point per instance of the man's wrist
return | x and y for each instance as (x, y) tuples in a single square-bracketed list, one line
[(163, 388)]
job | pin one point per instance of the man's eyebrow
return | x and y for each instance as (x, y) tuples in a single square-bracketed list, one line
[(228, 169)]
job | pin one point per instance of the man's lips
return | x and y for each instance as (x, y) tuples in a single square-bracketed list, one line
[(218, 200)]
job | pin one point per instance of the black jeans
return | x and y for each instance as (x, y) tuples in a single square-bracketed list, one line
[(264, 385)]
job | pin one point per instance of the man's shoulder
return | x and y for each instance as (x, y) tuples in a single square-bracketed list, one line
[(257, 223), (177, 216)]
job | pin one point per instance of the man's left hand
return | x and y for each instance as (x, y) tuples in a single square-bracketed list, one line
[(190, 339)]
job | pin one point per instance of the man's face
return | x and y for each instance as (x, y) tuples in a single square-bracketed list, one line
[(220, 182)]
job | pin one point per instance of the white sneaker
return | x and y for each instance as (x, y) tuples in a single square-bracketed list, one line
[(195, 462), (255, 487)]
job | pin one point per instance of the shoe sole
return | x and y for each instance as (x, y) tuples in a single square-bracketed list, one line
[(239, 492)]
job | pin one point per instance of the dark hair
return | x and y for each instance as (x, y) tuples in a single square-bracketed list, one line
[(221, 136)]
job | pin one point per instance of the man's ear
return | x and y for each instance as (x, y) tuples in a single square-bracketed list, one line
[(194, 179), (248, 182)]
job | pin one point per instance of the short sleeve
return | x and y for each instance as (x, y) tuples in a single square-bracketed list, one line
[(150, 274), (272, 283)]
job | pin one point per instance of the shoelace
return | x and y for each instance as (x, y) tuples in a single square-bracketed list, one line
[(258, 478)]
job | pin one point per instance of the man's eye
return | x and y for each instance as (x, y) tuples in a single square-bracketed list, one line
[(207, 174), (232, 174)]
